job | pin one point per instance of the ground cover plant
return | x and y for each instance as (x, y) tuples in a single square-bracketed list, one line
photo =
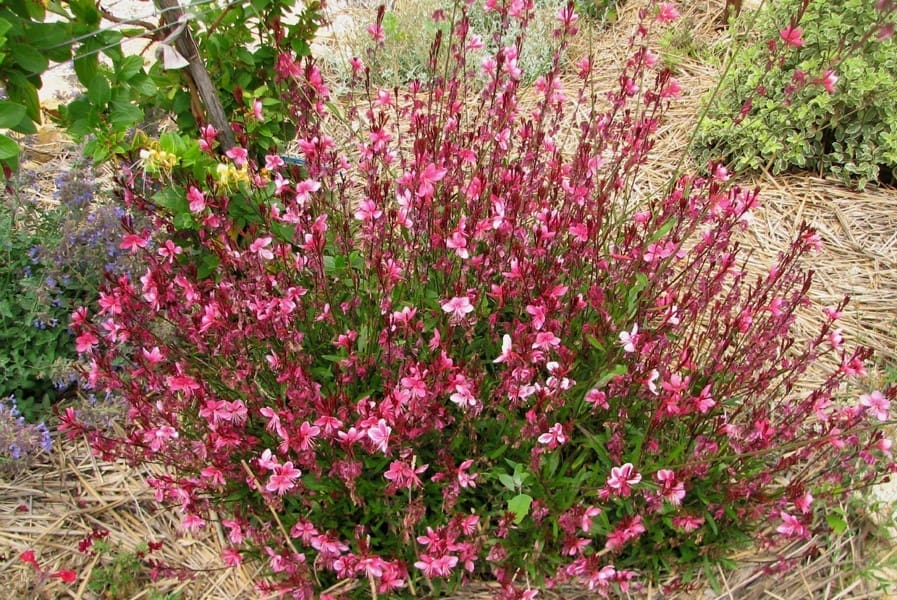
[(777, 110), (468, 347)]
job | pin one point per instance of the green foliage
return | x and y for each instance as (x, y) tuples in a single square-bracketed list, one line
[(404, 54), (790, 120), (120, 573), (239, 47), (54, 254), (30, 332), (601, 11), (238, 44), (27, 44)]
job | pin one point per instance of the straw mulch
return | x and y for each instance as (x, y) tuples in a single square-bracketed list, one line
[(55, 504), (58, 502)]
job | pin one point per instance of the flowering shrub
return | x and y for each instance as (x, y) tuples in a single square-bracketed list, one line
[(466, 346), (826, 103), (56, 254), (20, 442)]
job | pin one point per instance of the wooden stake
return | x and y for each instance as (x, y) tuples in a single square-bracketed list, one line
[(186, 46)]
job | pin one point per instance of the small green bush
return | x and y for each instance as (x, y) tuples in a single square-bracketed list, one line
[(54, 254), (775, 110), (33, 333)]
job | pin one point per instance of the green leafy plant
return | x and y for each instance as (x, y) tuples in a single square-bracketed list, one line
[(27, 45), (829, 103), (121, 96), (120, 573), (602, 11), (54, 253), (33, 332)]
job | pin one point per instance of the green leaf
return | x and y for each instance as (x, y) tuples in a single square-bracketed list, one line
[(25, 125), (184, 220), (86, 11), (169, 198), (207, 265), (28, 59), (520, 505), (9, 149), (129, 68), (125, 114), (838, 524), (10, 114), (23, 91), (86, 67), (616, 371), (99, 91), (507, 481), (593, 341)]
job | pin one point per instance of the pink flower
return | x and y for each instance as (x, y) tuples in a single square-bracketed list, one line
[(804, 502), (153, 356), (192, 522), (629, 339), (66, 575), (273, 162), (196, 199), (878, 404), (671, 90), (459, 306), (260, 247), (231, 557), (567, 16), (687, 523), (671, 490), (622, 478), (307, 435), (257, 109), (132, 242), (85, 341), (463, 395), (828, 81), (368, 211), (436, 567), (792, 527), (554, 437), (667, 12), (466, 479), (28, 558), (427, 179), (792, 36), (546, 340), (379, 435), (283, 478), (596, 397), (402, 475), (239, 155), (375, 30)]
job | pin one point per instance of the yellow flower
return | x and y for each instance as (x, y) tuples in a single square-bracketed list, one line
[(155, 160)]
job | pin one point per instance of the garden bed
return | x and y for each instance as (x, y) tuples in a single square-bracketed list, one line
[(68, 495)]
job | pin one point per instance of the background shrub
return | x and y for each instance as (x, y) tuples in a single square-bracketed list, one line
[(56, 253), (775, 110), (404, 53)]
